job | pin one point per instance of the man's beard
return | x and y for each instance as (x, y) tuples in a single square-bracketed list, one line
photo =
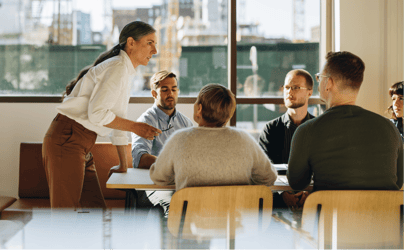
[(167, 107), (294, 105)]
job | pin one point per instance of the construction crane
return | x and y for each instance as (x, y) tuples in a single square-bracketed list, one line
[(107, 31), (298, 21), (37, 7), (170, 50), (241, 12), (61, 19)]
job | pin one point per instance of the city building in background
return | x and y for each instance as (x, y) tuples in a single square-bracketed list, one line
[(47, 42), (84, 35)]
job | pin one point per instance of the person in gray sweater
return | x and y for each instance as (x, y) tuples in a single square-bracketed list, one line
[(347, 147), (212, 154)]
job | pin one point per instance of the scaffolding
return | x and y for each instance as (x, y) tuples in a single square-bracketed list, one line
[(108, 29), (298, 20), (61, 18), (170, 50)]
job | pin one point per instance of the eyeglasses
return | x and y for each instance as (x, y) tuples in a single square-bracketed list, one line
[(294, 88), (318, 75), (170, 127)]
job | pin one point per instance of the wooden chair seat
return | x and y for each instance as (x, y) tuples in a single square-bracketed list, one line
[(355, 219)]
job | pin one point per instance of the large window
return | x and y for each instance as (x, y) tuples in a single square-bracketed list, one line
[(273, 37), (47, 42)]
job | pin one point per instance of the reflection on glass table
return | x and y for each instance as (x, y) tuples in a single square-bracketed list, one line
[(144, 229)]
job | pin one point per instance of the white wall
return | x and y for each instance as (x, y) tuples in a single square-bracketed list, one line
[(22, 122), (373, 30)]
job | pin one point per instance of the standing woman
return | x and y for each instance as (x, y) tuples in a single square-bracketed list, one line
[(95, 104), (396, 107)]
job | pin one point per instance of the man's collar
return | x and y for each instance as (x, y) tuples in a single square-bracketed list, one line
[(306, 118), (285, 118), (162, 115), (288, 121)]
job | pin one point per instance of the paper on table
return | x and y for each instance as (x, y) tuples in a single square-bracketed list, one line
[(279, 167), (283, 179)]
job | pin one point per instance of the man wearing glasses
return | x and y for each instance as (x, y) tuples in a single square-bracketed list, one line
[(277, 134), (162, 115), (347, 147)]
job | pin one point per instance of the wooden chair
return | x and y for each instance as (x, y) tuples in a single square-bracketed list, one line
[(355, 219), (201, 213)]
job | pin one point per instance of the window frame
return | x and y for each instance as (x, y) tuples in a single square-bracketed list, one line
[(327, 44)]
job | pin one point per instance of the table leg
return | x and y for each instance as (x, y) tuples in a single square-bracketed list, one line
[(136, 199), (130, 200)]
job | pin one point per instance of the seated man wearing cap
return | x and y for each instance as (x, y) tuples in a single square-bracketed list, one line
[(162, 115)]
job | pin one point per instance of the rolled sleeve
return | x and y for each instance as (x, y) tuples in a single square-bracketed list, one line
[(140, 146), (119, 137)]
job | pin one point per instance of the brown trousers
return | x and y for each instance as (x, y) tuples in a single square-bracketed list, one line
[(69, 165)]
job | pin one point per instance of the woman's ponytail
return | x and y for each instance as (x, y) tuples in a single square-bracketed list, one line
[(108, 54), (102, 57), (73, 82)]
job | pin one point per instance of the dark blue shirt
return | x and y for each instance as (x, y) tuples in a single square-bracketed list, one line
[(276, 137)]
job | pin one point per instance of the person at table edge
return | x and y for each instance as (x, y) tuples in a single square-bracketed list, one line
[(212, 154), (347, 147), (163, 115), (396, 107), (277, 134)]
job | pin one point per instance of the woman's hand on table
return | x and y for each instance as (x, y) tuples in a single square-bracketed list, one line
[(117, 169)]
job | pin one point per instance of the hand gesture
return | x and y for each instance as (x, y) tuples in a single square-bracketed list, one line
[(116, 169), (302, 195), (146, 131), (295, 201), (290, 199)]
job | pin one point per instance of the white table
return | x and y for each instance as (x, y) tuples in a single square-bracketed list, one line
[(136, 179), (139, 179)]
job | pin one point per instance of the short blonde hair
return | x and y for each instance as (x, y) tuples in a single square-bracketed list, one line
[(160, 76), (218, 104)]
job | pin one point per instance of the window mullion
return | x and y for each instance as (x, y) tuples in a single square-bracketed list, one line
[(232, 52)]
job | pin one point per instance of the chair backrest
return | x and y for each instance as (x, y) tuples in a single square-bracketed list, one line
[(355, 219), (219, 211)]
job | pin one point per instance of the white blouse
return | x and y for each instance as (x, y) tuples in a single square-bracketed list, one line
[(101, 95)]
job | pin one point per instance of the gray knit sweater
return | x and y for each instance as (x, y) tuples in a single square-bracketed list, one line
[(201, 156)]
